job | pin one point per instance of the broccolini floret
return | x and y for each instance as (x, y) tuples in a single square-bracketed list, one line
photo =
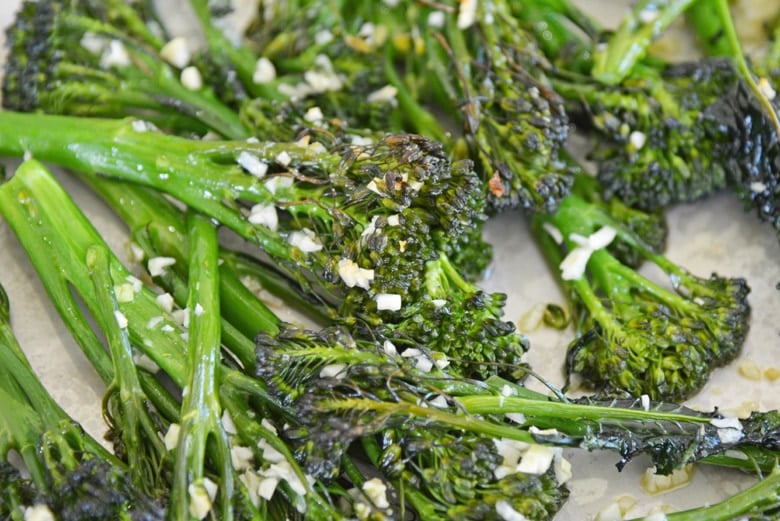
[(635, 335), (101, 59), (365, 229)]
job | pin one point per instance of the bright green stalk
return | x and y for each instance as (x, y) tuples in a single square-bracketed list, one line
[(126, 407), (713, 22), (201, 411), (759, 502), (628, 45), (157, 226)]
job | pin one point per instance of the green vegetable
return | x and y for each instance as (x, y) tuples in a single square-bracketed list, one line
[(70, 473), (636, 336), (101, 59), (388, 215)]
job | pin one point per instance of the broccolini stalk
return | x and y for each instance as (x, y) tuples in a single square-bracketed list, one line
[(71, 475), (365, 229), (136, 427), (347, 388), (552, 22), (647, 20), (66, 60), (636, 336), (715, 27), (192, 495), (58, 237), (759, 502), (33, 220), (158, 228), (442, 464)]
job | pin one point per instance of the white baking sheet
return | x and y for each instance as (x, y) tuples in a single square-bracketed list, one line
[(711, 236)]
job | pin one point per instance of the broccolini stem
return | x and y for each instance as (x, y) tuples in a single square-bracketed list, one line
[(760, 501), (158, 227), (646, 21), (126, 406), (727, 44), (201, 412)]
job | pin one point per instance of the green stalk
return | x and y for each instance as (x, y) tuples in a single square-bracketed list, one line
[(760, 501), (201, 411), (629, 44), (166, 163), (126, 406), (158, 227), (715, 26)]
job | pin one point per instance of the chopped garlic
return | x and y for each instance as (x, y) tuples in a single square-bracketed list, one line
[(241, 457), (467, 14), (115, 55), (124, 292), (181, 317), (516, 417), (602, 237), (267, 487), (637, 139), (411, 352), (353, 275), (333, 371), (144, 362), (536, 460), (154, 321), (157, 265), (305, 240), (645, 401), (264, 215), (252, 164), (228, 424), (436, 19), (766, 88), (553, 232), (439, 401), (165, 301), (729, 429), (506, 511), (278, 181), (561, 467), (121, 319), (191, 79), (757, 187), (386, 93), (200, 502), (648, 16), (176, 52), (376, 490), (93, 43), (424, 364), (39, 512), (314, 115), (388, 302), (283, 158), (265, 72), (171, 438), (574, 264)]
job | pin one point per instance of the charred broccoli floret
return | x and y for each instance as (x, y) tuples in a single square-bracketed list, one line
[(635, 335)]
